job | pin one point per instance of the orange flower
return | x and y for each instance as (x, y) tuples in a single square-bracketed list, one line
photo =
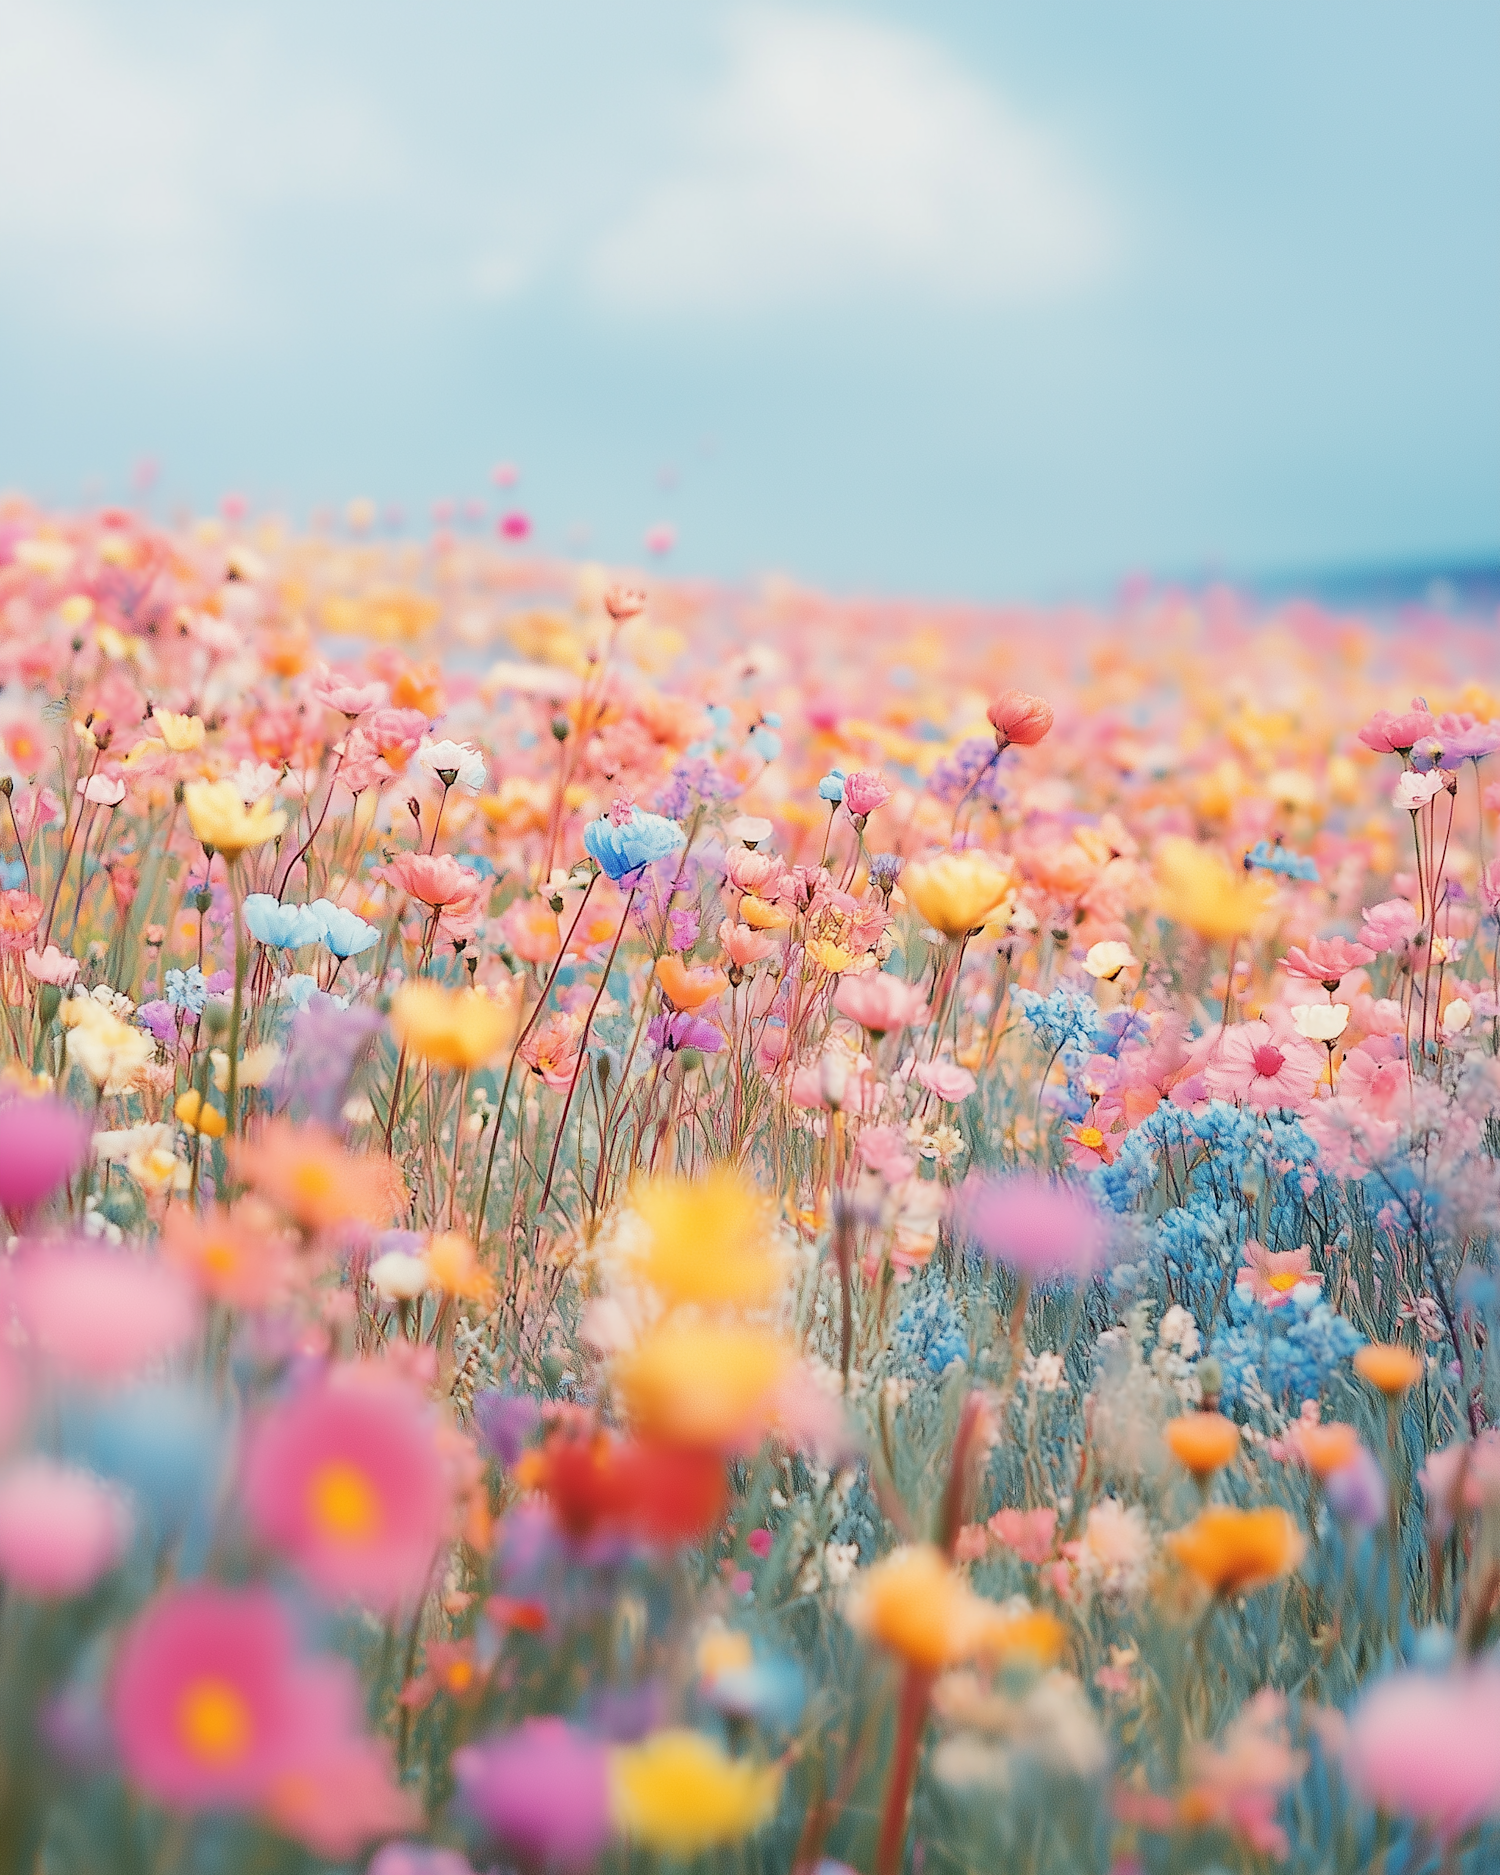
[(1388, 1367), (456, 1270), (307, 1174), (1203, 1441), (1232, 1551), (237, 1257), (1325, 1449), (688, 989)]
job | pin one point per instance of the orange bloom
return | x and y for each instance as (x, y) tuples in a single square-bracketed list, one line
[(1388, 1367), (1325, 1449), (688, 989), (237, 1257), (1203, 1441), (307, 1174), (1232, 1551)]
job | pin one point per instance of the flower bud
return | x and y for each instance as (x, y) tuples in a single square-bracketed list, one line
[(1020, 718)]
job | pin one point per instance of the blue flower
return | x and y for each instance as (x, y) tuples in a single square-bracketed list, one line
[(1280, 860), (282, 927), (831, 787), (640, 840), (928, 1331), (12, 874), (187, 989), (765, 742), (344, 932)]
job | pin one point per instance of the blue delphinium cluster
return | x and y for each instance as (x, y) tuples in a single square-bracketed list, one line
[(929, 1335), (1290, 1352)]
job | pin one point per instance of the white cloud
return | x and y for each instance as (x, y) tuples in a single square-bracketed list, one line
[(841, 157), (135, 190)]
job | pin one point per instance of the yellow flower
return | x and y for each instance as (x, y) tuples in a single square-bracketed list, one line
[(144, 751), (454, 1028), (699, 1383), (455, 1269), (706, 1239), (220, 819), (199, 1115), (916, 1604), (761, 915), (111, 1053), (257, 1065), (956, 892), (829, 956), (1201, 890), (1231, 1551), (680, 1792), (180, 733)]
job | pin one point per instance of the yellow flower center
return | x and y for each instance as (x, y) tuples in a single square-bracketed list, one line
[(1090, 1136), (1282, 1280), (343, 1502), (312, 1182), (214, 1722)]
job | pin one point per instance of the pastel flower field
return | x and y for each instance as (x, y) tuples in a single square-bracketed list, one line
[(654, 1226)]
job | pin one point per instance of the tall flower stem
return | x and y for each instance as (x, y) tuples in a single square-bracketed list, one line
[(236, 1007)]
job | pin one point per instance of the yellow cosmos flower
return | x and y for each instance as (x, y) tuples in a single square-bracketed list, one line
[(761, 915), (453, 1028), (180, 733), (199, 1115), (680, 1792), (956, 892), (830, 956), (1199, 888), (916, 1604), (220, 819), (706, 1239), (702, 1383), (1232, 1551)]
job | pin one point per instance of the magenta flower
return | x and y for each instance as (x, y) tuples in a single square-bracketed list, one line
[(346, 1479), (60, 1529), (542, 1792), (42, 1144), (1326, 960), (205, 1701), (1429, 1748), (1263, 1070), (102, 1315), (1037, 1225)]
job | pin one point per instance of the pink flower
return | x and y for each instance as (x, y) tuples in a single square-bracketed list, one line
[(1389, 925), (395, 734), (339, 1792), (864, 791), (1037, 1225), (346, 1478), (1030, 1533), (205, 1700), (350, 699), (51, 966), (742, 945), (1262, 1070), (1019, 717), (1413, 790), (1429, 1747), (100, 1315), (1270, 1276), (1376, 1078), (1489, 887), (884, 1150), (60, 1529), (434, 878), (513, 526), (551, 1049), (102, 790), (1326, 960), (624, 602), (880, 1002), (542, 1792), (20, 914), (945, 1080), (42, 1144), (1387, 734)]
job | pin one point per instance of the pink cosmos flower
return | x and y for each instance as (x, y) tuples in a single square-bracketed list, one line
[(1326, 960), (1270, 1276), (1037, 1225), (60, 1529), (335, 692), (864, 791), (434, 878), (1263, 1070), (51, 966), (346, 1478), (1030, 1533), (340, 1791), (1429, 1747), (1413, 790), (395, 734), (880, 1002), (20, 914), (1376, 1076), (102, 790), (743, 946), (541, 1791), (205, 1699), (1019, 717), (97, 1315), (1388, 734), (1389, 925), (884, 1150), (42, 1144), (944, 1079), (763, 875)]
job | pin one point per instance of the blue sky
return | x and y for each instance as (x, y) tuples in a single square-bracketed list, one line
[(988, 299)]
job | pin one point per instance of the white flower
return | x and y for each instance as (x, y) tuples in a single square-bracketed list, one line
[(455, 764), (749, 829), (1414, 790), (840, 1560), (252, 780), (1043, 1373), (1179, 1330), (1108, 959), (399, 1277), (1320, 1022), (1457, 1016), (102, 790), (1115, 1555)]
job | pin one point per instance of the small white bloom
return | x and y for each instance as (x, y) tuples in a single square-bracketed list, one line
[(750, 830), (1108, 959), (1414, 790), (1320, 1022), (102, 790), (456, 764), (840, 1560), (399, 1277), (1457, 1016)]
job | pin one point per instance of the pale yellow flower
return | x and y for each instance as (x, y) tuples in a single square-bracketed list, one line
[(220, 819)]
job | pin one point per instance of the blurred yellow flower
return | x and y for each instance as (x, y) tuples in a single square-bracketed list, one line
[(956, 892), (1231, 1551), (199, 1115), (180, 733), (1388, 1367), (1202, 1442), (220, 819), (916, 1604), (111, 1053), (456, 1270), (1201, 890), (680, 1792), (453, 1028), (702, 1383), (706, 1239)]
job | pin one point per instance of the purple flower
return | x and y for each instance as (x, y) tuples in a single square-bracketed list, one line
[(506, 1422), (418, 1858), (542, 1792), (685, 927), (1037, 1225), (163, 1021), (327, 1041), (972, 769), (683, 1031), (1356, 1492), (42, 1144)]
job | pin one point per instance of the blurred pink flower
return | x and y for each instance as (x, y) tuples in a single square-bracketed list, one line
[(1264, 1070), (880, 1002), (1030, 1533), (43, 1142), (20, 914), (99, 1315), (541, 1791), (346, 1479), (1429, 1748), (102, 790), (884, 1150), (339, 1792), (51, 966), (336, 692), (942, 1078), (1037, 1225), (61, 1529)]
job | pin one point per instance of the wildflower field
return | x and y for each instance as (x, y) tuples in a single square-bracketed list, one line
[(732, 1229)]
